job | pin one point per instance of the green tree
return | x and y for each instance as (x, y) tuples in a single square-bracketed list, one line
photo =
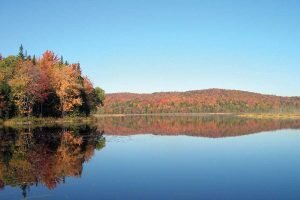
[(100, 93), (61, 60), (7, 66), (34, 60), (21, 52)]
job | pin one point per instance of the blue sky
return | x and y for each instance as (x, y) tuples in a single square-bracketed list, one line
[(164, 45)]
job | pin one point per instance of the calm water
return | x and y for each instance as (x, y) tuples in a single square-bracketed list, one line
[(153, 158)]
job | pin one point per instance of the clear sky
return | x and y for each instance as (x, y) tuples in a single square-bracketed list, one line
[(164, 45)]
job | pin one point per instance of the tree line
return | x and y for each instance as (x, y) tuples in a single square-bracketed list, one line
[(45, 86), (199, 101)]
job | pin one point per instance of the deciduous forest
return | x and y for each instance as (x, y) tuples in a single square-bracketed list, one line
[(199, 101), (45, 86)]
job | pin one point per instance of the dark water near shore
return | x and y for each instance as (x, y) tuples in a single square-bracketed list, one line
[(146, 157)]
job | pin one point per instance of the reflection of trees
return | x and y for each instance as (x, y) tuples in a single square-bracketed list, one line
[(45, 155), (204, 126)]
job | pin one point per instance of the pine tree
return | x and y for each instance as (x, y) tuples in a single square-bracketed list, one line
[(33, 60), (21, 53), (78, 67), (61, 60)]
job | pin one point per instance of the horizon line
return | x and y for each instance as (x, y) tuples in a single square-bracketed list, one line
[(194, 90)]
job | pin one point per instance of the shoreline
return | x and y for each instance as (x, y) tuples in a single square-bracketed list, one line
[(36, 121), (270, 115), (160, 114), (245, 115), (42, 121)]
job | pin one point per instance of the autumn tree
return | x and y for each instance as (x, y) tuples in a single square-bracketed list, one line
[(48, 61), (48, 101), (41, 87), (67, 87), (22, 85)]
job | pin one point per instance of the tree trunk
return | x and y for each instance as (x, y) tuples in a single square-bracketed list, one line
[(41, 109)]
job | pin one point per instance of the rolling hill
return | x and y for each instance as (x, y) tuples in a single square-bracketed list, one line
[(199, 101)]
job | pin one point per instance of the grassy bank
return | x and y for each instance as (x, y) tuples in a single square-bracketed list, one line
[(43, 121), (160, 114), (246, 115), (270, 115)]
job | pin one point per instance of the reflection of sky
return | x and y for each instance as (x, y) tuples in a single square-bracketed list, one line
[(140, 46), (264, 165)]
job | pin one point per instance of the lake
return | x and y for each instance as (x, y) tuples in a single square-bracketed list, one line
[(153, 157)]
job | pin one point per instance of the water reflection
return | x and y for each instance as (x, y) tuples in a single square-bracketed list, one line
[(29, 157), (47, 156), (202, 126)]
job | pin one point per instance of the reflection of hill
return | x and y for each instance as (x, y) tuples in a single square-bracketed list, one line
[(203, 126), (44, 156)]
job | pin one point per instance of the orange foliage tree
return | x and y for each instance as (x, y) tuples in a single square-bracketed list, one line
[(67, 87)]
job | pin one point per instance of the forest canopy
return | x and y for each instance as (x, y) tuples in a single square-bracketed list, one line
[(45, 86), (199, 101)]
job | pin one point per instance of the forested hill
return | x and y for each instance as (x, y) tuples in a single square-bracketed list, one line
[(199, 101)]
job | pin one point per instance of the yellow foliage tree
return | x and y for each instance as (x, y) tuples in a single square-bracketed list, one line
[(22, 84), (1, 76), (67, 86)]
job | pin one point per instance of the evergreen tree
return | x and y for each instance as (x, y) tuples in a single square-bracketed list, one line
[(61, 60), (21, 53), (33, 60), (78, 67)]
